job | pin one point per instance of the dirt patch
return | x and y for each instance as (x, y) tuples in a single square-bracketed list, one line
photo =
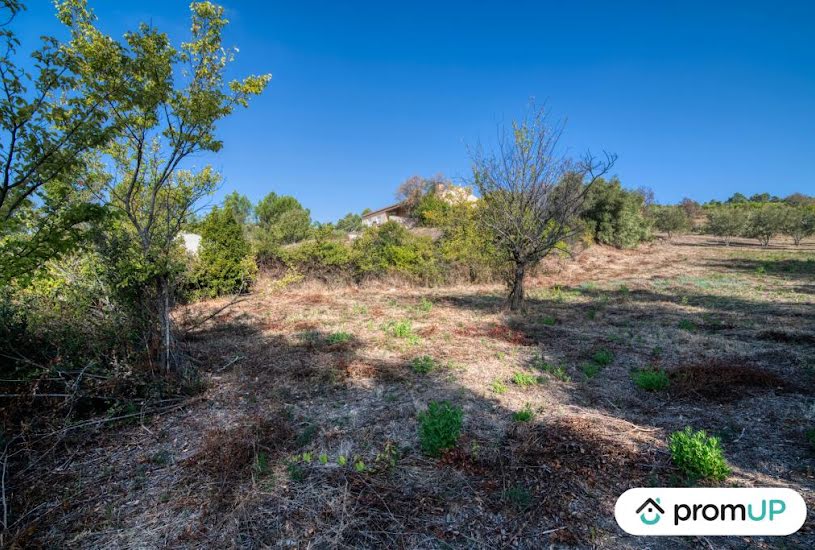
[(228, 455), (724, 381), (570, 471), (496, 332)]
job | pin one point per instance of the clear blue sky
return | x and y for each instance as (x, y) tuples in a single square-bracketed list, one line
[(698, 99)]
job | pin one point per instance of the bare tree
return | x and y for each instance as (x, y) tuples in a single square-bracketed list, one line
[(533, 194)]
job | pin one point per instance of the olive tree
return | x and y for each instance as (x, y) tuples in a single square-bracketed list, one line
[(799, 223), (726, 222), (765, 223), (533, 194), (167, 114)]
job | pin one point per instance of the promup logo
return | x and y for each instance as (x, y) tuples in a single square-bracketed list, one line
[(711, 511), (653, 508)]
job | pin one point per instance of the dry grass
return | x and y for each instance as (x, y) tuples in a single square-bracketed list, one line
[(693, 308)]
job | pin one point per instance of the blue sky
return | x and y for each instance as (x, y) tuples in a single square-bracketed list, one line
[(698, 99)]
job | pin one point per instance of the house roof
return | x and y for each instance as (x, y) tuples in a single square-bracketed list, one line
[(381, 210)]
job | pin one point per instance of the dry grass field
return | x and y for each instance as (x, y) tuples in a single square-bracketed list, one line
[(306, 435)]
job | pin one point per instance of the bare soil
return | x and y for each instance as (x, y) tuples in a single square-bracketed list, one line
[(304, 439)]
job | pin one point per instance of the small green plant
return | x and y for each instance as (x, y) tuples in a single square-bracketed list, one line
[(388, 456), (424, 306), (686, 324), (359, 309), (498, 387), (603, 357), (524, 415), (590, 369), (559, 372), (439, 427), (307, 457), (698, 455), (323, 459), (518, 496), (811, 438), (342, 460), (423, 364), (549, 321), (295, 471), (524, 380), (260, 466), (402, 329), (338, 338), (359, 466), (651, 379)]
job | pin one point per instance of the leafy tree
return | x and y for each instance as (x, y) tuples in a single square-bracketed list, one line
[(799, 199), (727, 222), (532, 194), (224, 264), (692, 208), (765, 223), (350, 223), (672, 220), (49, 120), (616, 216), (283, 219), (167, 112), (799, 223), (240, 207), (737, 198)]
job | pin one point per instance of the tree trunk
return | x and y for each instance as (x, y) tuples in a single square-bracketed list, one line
[(164, 336), (516, 293)]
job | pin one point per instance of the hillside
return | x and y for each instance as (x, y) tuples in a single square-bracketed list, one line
[(307, 432)]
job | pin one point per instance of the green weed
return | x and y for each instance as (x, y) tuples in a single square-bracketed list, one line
[(590, 369), (439, 427), (338, 338), (498, 387), (424, 364), (686, 324), (651, 379), (524, 380), (524, 415), (603, 357), (698, 455)]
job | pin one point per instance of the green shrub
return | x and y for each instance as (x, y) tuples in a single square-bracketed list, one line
[(224, 264), (338, 338), (391, 249), (810, 435), (498, 387), (590, 369), (524, 415), (686, 324), (439, 427), (549, 321), (324, 258), (603, 357), (615, 216), (423, 364), (698, 455), (651, 379)]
